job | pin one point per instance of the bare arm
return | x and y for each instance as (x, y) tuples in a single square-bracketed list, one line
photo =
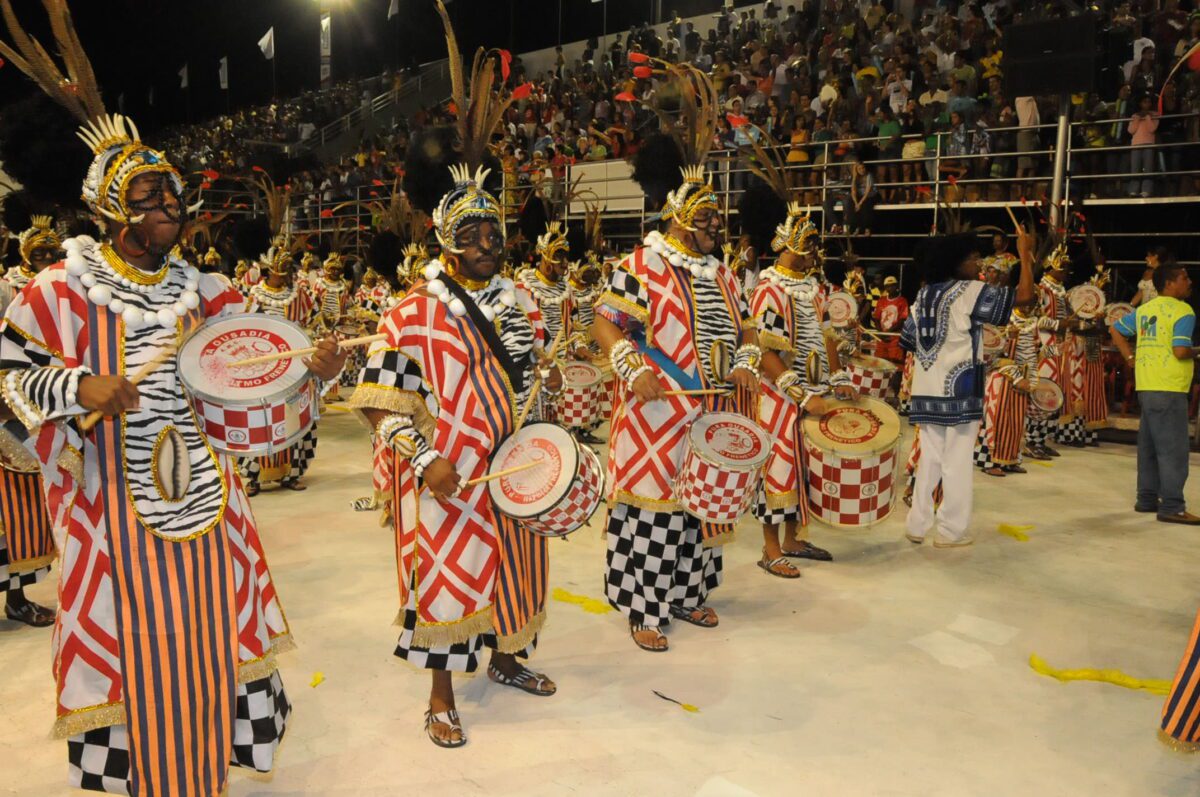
[(1122, 344), (1026, 291)]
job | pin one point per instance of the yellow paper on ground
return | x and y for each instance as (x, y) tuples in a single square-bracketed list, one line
[(1156, 686), (589, 605)]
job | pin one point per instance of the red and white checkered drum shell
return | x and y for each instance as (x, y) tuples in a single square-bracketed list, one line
[(555, 498), (871, 376), (852, 456), (257, 410), (579, 403), (722, 467)]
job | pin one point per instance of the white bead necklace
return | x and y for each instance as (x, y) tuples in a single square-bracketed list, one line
[(83, 256), (703, 266), (436, 284), (276, 301), (797, 289)]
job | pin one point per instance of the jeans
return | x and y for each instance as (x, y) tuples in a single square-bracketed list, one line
[(1141, 161), (1163, 444)]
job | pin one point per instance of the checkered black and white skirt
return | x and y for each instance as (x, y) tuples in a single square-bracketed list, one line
[(455, 657), (10, 580), (656, 560), (99, 759)]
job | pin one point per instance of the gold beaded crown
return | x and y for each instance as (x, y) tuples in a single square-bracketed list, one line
[(797, 233), (334, 262), (40, 235), (1058, 259), (552, 243), (468, 201), (695, 194)]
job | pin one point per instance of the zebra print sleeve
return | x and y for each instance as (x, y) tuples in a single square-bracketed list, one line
[(36, 386)]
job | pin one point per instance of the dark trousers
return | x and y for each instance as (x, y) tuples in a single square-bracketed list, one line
[(1163, 444)]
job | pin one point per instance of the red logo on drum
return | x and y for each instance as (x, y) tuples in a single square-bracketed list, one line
[(242, 344), (530, 486), (733, 441), (850, 425)]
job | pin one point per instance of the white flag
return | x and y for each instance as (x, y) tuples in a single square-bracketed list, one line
[(151, 97), (267, 43), (183, 81), (223, 73), (394, 9)]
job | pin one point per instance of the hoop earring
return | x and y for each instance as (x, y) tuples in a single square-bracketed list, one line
[(143, 245), (451, 264)]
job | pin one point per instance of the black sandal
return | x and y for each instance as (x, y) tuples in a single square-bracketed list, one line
[(689, 616), (997, 472), (1014, 469), (294, 485), (449, 719), (636, 628), (809, 551), (526, 680), (252, 489), (30, 614)]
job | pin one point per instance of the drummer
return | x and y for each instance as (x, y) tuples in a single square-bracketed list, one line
[(947, 388), (788, 306), (672, 316), (148, 582), (470, 577), (1061, 360), (281, 295), (583, 282)]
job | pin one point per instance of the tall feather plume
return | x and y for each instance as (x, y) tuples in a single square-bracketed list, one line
[(768, 165), (76, 89), (480, 113)]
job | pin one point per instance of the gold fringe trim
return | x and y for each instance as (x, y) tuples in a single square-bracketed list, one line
[(71, 460), (264, 665), (89, 719), (515, 643), (652, 504), (783, 500), (769, 341), (623, 305), (1093, 425), (440, 635), (29, 565), (369, 396), (17, 457), (1178, 745)]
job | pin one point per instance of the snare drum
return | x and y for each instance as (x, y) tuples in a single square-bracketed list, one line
[(842, 309), (993, 340), (722, 468), (579, 404), (555, 498), (1086, 300), (1045, 399), (1115, 312), (258, 410), (871, 376), (852, 456)]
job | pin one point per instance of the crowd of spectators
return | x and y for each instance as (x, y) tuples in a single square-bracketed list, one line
[(874, 105)]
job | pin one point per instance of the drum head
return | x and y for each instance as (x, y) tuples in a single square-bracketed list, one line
[(580, 374), (1115, 312), (531, 492), (1086, 300), (205, 357), (842, 309), (868, 362), (729, 441), (993, 339), (854, 428), (1047, 396)]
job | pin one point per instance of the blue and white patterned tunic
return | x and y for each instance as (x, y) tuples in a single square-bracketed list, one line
[(943, 333)]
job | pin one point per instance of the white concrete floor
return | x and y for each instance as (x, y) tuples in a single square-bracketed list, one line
[(895, 670)]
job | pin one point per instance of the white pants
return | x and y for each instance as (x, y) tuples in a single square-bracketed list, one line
[(946, 456)]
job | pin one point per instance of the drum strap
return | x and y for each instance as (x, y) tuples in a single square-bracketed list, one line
[(664, 363), (515, 372)]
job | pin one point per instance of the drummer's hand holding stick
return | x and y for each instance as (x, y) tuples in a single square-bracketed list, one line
[(107, 395), (747, 364), (328, 359), (628, 365)]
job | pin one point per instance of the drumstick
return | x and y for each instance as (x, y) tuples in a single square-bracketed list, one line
[(707, 392), (163, 355), (349, 343), (505, 472), (1016, 223), (537, 383)]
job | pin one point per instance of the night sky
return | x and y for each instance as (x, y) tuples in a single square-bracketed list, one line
[(135, 44)]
